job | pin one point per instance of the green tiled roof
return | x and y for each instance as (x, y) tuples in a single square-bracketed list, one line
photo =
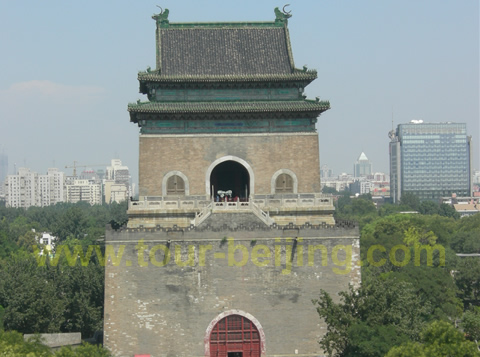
[(226, 107), (298, 75)]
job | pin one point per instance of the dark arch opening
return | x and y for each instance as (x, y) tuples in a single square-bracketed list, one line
[(230, 175)]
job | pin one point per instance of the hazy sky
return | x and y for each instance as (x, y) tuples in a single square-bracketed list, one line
[(69, 69)]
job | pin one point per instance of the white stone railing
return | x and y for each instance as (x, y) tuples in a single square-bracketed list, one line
[(264, 216), (290, 200), (202, 215), (262, 201), (231, 205), (152, 203)]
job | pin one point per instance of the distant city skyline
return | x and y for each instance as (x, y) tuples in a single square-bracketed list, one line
[(66, 85)]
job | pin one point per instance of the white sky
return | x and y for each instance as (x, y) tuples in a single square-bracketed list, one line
[(69, 69)]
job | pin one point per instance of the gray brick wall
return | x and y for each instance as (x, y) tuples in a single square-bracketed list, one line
[(165, 310)]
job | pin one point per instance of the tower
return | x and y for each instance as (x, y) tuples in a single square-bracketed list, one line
[(363, 166), (218, 258)]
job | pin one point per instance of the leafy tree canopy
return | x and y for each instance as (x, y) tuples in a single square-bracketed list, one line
[(439, 339), (12, 344), (381, 304), (411, 200)]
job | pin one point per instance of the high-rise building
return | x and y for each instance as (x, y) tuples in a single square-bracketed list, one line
[(21, 189), (430, 160), (117, 182), (325, 172), (51, 187), (363, 166)]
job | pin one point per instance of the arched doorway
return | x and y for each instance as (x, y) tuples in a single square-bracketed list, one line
[(230, 176), (235, 335)]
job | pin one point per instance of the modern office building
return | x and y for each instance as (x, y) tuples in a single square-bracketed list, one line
[(362, 167), (326, 172), (430, 160)]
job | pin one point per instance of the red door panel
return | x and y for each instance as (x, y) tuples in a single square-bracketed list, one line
[(234, 333)]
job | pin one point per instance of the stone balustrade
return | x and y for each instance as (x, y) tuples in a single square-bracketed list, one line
[(262, 201)]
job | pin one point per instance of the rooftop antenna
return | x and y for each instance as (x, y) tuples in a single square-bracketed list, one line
[(392, 117)]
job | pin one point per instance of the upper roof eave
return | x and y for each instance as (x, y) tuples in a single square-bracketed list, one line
[(312, 106), (297, 75)]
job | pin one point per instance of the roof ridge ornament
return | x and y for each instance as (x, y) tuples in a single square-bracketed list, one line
[(162, 17), (282, 16)]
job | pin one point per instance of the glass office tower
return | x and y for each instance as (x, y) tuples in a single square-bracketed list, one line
[(430, 160)]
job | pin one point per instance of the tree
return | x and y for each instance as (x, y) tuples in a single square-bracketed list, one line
[(118, 214), (28, 293), (343, 200), (369, 321), (471, 324), (358, 207), (415, 238), (467, 278), (27, 241), (330, 190), (447, 210), (2, 313), (85, 350), (439, 339), (12, 344), (72, 223), (411, 200), (49, 299), (428, 207)]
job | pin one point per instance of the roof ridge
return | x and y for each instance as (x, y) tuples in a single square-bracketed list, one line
[(177, 25)]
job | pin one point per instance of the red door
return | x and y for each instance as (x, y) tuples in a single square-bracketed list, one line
[(234, 336)]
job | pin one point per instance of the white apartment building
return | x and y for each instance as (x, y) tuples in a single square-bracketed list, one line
[(84, 190), (51, 187), (28, 188), (21, 190)]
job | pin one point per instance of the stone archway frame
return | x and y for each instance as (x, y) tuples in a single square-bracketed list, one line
[(229, 158), (240, 313), (173, 173), (284, 171)]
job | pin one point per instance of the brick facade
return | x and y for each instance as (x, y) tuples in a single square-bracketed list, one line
[(194, 154)]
